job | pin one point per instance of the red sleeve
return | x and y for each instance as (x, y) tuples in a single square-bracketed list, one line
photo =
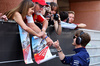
[(40, 18)]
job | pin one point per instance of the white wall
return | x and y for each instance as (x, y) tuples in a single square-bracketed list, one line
[(94, 47)]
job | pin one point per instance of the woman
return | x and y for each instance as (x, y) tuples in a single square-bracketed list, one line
[(53, 17), (26, 7)]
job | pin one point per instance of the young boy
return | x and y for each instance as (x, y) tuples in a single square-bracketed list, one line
[(71, 16), (81, 58), (64, 18)]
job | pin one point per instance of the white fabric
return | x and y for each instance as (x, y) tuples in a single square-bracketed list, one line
[(68, 25), (40, 15), (29, 19)]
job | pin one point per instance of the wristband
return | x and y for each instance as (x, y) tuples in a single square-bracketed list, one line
[(59, 23), (45, 37), (59, 51)]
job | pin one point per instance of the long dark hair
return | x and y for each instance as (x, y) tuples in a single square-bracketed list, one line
[(53, 4)]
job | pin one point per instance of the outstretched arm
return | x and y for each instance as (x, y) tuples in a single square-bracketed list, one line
[(60, 53), (44, 25), (34, 27), (18, 18), (81, 25), (57, 27)]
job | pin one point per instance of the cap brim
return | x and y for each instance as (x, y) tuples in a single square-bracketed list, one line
[(42, 3)]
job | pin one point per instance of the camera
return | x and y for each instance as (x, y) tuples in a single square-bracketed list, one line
[(56, 17)]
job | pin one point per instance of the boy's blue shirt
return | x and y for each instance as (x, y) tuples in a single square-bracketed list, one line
[(81, 58)]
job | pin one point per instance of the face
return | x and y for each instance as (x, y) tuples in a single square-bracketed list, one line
[(30, 11), (71, 18), (38, 8), (53, 11)]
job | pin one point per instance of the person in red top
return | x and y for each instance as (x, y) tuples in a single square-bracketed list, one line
[(38, 17)]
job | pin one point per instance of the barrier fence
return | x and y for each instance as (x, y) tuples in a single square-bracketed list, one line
[(11, 51)]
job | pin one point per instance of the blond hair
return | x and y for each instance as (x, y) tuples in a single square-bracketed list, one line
[(71, 12)]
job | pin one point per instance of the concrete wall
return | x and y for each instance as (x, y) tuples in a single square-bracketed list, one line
[(63, 5), (6, 5), (87, 12), (93, 47)]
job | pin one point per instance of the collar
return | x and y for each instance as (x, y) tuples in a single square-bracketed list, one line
[(79, 49)]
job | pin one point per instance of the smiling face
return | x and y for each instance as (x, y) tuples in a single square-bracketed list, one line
[(53, 10), (71, 18), (30, 11)]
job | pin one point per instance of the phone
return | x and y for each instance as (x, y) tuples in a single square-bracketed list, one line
[(67, 20)]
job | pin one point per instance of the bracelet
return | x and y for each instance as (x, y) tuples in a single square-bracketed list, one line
[(45, 37), (59, 23), (59, 51)]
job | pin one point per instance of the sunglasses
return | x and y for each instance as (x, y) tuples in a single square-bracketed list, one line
[(74, 37), (41, 6)]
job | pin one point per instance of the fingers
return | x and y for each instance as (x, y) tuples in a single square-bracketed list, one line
[(49, 44), (56, 44), (4, 17), (41, 34), (57, 41)]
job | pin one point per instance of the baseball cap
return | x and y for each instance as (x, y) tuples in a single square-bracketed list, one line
[(41, 2)]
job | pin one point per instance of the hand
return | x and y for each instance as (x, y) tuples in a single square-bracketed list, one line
[(48, 19), (49, 41), (41, 34), (48, 8), (81, 25), (52, 16), (4, 17), (56, 44), (59, 20)]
